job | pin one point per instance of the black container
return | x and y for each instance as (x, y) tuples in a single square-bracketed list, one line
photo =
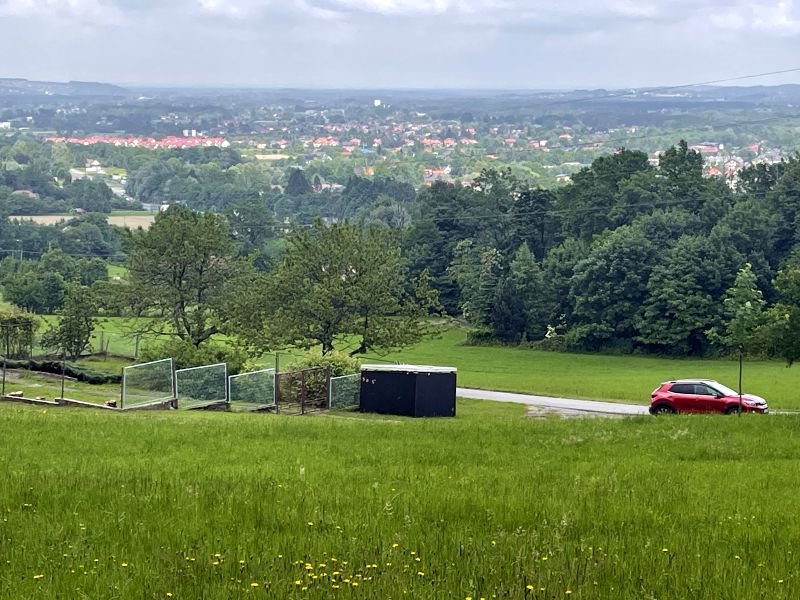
[(408, 390)]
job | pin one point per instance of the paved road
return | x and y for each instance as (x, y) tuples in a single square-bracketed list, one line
[(559, 405)]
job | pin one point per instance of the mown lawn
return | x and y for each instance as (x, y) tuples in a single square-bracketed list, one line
[(593, 376), (487, 505)]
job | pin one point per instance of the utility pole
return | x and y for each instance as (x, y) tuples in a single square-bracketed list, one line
[(741, 355)]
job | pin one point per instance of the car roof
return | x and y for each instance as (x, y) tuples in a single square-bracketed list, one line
[(692, 381)]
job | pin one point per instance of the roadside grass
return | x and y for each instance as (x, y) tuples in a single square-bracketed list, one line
[(486, 505), (592, 376)]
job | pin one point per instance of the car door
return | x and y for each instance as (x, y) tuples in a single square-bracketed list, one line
[(707, 399), (715, 401), (683, 397)]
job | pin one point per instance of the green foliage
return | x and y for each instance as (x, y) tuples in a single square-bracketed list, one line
[(338, 280), (179, 271), (72, 334), (185, 355), (17, 332), (781, 332), (337, 362), (298, 184), (743, 313)]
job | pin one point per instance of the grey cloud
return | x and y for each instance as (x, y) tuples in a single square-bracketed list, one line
[(398, 43)]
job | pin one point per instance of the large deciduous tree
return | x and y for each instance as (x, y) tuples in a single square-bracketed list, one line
[(179, 270), (335, 281)]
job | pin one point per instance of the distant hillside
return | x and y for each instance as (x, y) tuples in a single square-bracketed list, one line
[(25, 87)]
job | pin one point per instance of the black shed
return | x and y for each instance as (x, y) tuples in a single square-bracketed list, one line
[(408, 390)]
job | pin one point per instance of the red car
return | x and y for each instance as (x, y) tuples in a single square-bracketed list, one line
[(701, 396)]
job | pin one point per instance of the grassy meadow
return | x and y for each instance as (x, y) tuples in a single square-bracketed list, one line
[(487, 505)]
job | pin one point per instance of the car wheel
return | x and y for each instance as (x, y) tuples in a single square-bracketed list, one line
[(733, 410), (664, 409)]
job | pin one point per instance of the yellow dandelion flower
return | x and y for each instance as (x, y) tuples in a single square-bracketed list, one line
[(215, 563), (468, 598), (568, 592), (38, 576), (494, 543), (310, 523), (395, 545), (254, 584), (388, 564), (780, 580), (421, 573), (169, 594), (241, 562), (354, 584), (298, 582), (665, 549), (124, 565), (544, 557), (529, 587), (335, 586)]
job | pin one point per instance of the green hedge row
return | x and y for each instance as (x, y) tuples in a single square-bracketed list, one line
[(70, 369)]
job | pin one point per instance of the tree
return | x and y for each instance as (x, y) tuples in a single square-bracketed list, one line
[(609, 287), (178, 272), (781, 332), (298, 183), (335, 281), (743, 315), (17, 331), (742, 312), (73, 333)]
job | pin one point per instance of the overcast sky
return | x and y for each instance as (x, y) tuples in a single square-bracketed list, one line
[(399, 43)]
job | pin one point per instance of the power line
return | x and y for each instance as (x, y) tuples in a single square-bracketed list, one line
[(674, 87)]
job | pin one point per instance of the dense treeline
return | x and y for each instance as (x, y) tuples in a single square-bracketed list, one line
[(627, 257)]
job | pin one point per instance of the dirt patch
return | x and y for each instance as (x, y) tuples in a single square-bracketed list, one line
[(130, 221)]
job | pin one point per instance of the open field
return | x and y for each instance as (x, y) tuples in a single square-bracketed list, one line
[(487, 505), (593, 376), (126, 219)]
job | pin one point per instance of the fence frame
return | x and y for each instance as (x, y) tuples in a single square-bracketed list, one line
[(155, 400), (257, 407), (226, 400)]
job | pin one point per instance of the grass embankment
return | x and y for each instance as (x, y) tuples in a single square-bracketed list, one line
[(487, 505), (593, 376)]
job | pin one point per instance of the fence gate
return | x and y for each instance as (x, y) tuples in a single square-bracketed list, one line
[(301, 392)]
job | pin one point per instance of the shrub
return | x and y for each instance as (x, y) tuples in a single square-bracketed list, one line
[(186, 355), (340, 363)]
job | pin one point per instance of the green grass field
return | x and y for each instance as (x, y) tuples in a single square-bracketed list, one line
[(486, 505), (593, 376)]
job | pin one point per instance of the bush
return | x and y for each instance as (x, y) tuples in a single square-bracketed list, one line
[(185, 355), (340, 363)]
